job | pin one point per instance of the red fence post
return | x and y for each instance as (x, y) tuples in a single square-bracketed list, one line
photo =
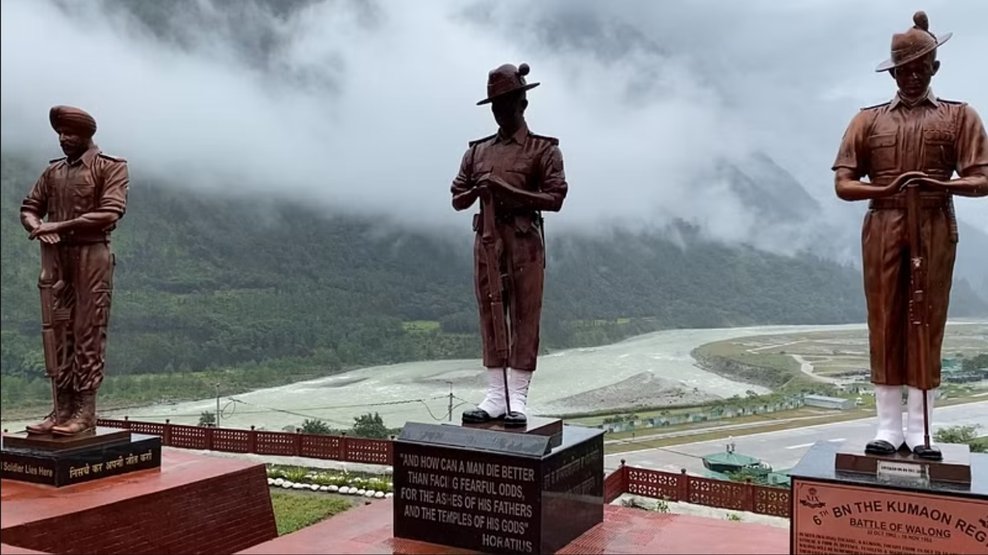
[(624, 477), (297, 442), (344, 447), (683, 486), (748, 501), (126, 422), (166, 433), (252, 440)]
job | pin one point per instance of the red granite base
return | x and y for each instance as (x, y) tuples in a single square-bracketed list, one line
[(367, 529), (193, 504)]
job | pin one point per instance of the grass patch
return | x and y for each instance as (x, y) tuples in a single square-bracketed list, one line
[(980, 445), (756, 428), (753, 419), (421, 325), (296, 510), (720, 434)]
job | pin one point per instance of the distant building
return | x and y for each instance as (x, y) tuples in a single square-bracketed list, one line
[(824, 402)]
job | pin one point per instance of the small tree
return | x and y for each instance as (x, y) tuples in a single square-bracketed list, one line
[(961, 434), (207, 418), (746, 474), (370, 426), (316, 427)]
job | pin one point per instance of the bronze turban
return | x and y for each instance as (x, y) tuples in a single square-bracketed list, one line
[(73, 119)]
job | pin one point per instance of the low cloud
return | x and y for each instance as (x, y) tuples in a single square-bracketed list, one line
[(367, 107)]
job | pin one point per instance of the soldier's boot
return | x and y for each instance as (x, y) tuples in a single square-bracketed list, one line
[(888, 404), (518, 382), (915, 430), (493, 405), (66, 406), (83, 418)]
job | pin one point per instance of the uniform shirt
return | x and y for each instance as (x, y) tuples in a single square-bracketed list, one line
[(524, 160), (96, 182), (935, 136)]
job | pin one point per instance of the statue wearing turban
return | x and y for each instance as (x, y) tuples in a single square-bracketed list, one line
[(71, 211)]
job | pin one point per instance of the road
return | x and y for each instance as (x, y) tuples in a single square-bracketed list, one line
[(806, 367), (784, 448)]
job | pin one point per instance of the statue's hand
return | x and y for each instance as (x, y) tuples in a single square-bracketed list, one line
[(924, 182), (47, 228), (49, 238), (483, 191), (899, 183)]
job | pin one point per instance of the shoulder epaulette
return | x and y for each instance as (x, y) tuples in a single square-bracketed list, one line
[(554, 141), (944, 100), (114, 158), (873, 106), (55, 160), (478, 141)]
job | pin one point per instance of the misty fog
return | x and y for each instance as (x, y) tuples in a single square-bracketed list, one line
[(367, 107)]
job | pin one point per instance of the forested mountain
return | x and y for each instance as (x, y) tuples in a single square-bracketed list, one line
[(208, 281)]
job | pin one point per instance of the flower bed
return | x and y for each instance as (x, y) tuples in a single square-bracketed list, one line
[(344, 483)]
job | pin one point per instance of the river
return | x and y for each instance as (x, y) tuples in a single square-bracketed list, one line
[(656, 368)]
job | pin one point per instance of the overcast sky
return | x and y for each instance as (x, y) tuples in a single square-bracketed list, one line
[(369, 106)]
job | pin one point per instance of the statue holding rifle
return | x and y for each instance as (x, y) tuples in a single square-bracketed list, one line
[(909, 148), (516, 175), (71, 211)]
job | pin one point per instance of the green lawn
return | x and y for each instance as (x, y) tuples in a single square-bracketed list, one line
[(294, 510), (421, 325)]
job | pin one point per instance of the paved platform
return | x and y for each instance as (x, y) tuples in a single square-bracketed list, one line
[(194, 503), (367, 529)]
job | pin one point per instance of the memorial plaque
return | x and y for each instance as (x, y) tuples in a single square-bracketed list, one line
[(63, 467), (835, 518), (836, 512), (496, 492)]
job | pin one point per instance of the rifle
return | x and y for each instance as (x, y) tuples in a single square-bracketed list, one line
[(495, 285), (49, 285), (919, 323)]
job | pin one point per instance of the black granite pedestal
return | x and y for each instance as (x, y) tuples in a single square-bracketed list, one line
[(62, 461), (835, 511), (498, 491)]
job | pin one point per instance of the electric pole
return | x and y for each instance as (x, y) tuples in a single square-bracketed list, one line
[(450, 401)]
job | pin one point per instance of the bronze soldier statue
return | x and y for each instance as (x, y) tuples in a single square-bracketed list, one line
[(82, 196), (517, 175), (909, 148)]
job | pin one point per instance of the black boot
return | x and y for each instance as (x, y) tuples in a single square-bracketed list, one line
[(880, 447), (478, 416), (515, 419), (931, 453)]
